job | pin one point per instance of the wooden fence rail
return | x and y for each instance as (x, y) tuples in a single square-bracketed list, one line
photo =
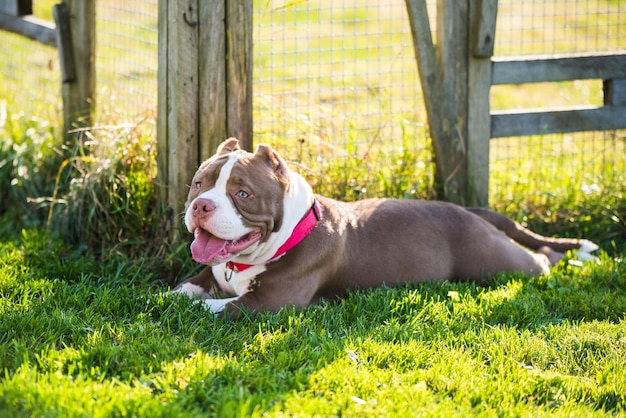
[(29, 26), (611, 68), (457, 102)]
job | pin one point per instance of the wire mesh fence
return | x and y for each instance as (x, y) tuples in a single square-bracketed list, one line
[(127, 55), (559, 26), (336, 85)]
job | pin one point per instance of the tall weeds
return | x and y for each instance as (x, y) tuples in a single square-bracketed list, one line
[(99, 195), (29, 158)]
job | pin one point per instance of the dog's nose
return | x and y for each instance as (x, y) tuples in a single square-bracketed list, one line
[(203, 207)]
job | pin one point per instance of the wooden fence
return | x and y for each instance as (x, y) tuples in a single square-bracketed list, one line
[(611, 68), (205, 89), (205, 83), (74, 37), (456, 89)]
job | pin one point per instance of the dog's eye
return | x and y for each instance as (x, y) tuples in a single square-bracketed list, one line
[(242, 194), (198, 184)]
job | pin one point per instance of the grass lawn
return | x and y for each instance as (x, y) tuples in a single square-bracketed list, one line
[(80, 337)]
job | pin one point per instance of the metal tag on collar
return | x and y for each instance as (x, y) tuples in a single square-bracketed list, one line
[(229, 269)]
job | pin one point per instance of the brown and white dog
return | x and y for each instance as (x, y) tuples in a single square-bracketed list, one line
[(268, 241)]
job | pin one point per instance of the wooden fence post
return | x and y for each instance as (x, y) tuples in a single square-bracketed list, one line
[(177, 124), (452, 45), (213, 114), (430, 77), (205, 86), (76, 36), (455, 104), (239, 70), (482, 20)]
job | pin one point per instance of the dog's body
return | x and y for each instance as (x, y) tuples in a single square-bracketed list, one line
[(269, 241)]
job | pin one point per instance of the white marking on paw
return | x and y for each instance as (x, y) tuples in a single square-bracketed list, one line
[(217, 305), (586, 248), (198, 295), (583, 256), (191, 290)]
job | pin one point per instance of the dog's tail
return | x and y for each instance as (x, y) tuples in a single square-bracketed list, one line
[(534, 241)]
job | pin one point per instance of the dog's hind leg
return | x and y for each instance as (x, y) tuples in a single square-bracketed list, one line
[(553, 248)]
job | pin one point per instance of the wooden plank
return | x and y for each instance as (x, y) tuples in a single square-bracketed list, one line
[(64, 42), (453, 46), (430, 78), (79, 94), (428, 65), (579, 119), (182, 72), (16, 7), (615, 92), (239, 70), (484, 30), (163, 106), (212, 73), (559, 68), (31, 27), (478, 118)]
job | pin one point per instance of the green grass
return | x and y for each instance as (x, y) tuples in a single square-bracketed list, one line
[(82, 337)]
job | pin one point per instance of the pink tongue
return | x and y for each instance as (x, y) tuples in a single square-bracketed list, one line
[(205, 246)]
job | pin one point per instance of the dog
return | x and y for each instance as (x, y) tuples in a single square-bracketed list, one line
[(268, 241)]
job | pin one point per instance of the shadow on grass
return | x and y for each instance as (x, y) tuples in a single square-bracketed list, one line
[(99, 323)]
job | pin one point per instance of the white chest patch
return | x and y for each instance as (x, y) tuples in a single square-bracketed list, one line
[(236, 283)]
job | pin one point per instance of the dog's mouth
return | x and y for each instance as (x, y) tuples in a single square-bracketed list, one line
[(206, 248)]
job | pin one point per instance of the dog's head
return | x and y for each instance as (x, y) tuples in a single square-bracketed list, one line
[(235, 202)]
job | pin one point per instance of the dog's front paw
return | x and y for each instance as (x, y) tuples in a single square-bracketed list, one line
[(193, 291), (199, 296), (217, 305)]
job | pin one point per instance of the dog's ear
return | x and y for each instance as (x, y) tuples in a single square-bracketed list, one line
[(230, 145), (274, 161)]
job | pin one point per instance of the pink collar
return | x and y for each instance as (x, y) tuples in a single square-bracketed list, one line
[(304, 227)]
